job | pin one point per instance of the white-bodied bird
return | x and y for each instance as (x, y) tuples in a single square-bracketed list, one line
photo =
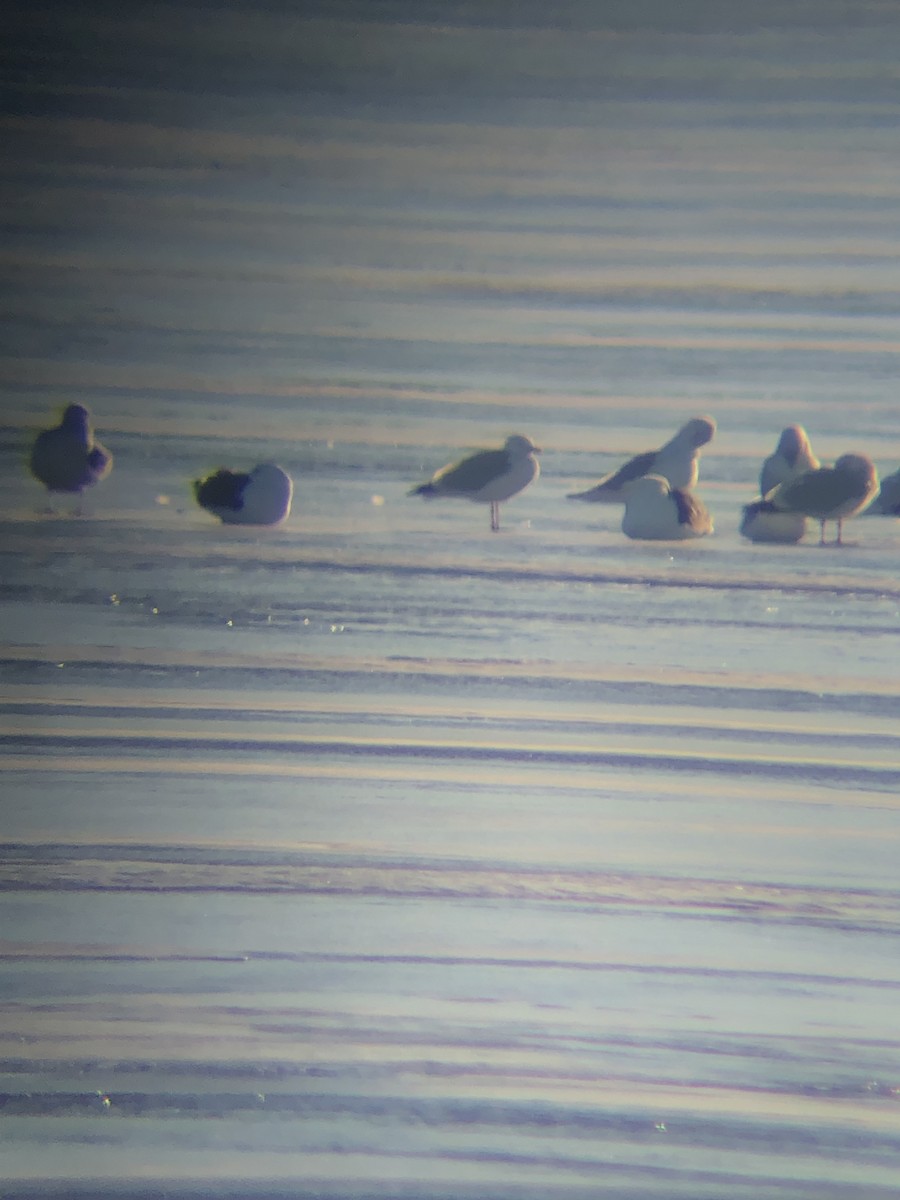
[(68, 458), (488, 477), (654, 511), (762, 522), (793, 456), (260, 497), (677, 461)]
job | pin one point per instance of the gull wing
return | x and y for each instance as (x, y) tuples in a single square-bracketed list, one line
[(100, 461), (472, 474), (691, 511), (635, 468), (817, 493)]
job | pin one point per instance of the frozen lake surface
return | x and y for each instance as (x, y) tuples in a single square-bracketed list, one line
[(378, 855)]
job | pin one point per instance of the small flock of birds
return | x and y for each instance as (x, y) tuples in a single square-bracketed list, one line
[(68, 458), (794, 486), (655, 488)]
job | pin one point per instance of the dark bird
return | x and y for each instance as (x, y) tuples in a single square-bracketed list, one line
[(67, 458)]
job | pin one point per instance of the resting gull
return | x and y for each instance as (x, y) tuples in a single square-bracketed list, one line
[(793, 456), (887, 502), (762, 522), (488, 476), (677, 461), (657, 512), (67, 458), (828, 493), (261, 497)]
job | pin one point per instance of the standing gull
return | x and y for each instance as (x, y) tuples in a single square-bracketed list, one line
[(262, 497), (793, 456), (829, 493), (677, 461), (488, 476), (656, 512), (67, 458)]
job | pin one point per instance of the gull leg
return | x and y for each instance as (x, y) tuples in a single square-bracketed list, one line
[(838, 541), (821, 533), (495, 515)]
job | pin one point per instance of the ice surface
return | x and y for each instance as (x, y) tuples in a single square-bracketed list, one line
[(377, 855)]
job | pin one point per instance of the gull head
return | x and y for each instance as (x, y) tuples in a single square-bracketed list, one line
[(793, 440), (519, 446), (699, 430), (858, 467), (76, 420)]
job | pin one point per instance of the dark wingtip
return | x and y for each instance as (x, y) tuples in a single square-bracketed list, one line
[(760, 506)]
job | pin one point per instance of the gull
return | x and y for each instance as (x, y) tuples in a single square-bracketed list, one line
[(792, 456), (654, 511), (488, 476), (260, 497), (887, 502), (677, 461), (67, 458), (762, 522), (829, 493)]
